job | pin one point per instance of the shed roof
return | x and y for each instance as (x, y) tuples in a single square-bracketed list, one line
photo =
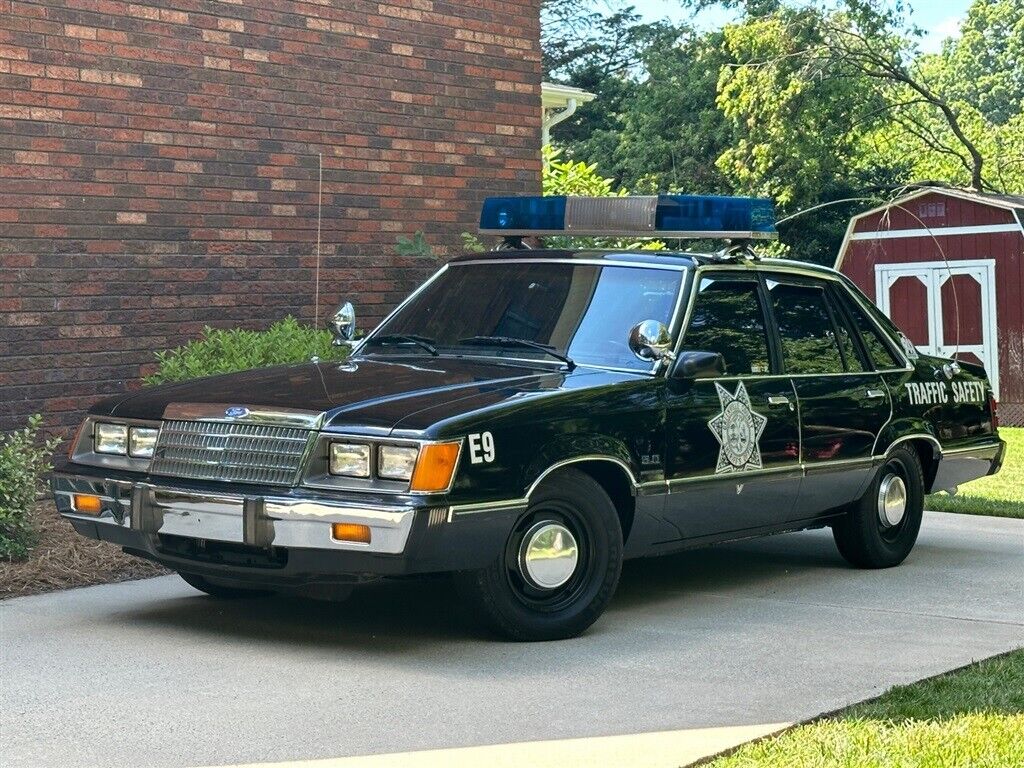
[(1013, 203)]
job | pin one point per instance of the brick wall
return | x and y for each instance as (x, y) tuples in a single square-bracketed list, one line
[(159, 169)]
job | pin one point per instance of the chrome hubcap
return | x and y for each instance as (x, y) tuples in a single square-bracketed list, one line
[(892, 500), (548, 555)]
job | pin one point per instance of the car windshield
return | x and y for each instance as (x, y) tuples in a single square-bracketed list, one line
[(581, 311)]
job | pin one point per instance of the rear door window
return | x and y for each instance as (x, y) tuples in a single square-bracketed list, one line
[(808, 335)]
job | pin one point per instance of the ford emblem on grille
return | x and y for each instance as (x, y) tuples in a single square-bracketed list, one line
[(236, 412)]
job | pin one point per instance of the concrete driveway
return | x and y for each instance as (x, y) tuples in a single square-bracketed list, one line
[(151, 673)]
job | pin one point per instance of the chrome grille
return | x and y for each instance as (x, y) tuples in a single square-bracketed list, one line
[(232, 451)]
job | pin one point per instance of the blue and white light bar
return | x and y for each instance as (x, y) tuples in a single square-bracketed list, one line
[(656, 216)]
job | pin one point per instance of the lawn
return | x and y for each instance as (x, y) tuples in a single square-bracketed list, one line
[(973, 717), (1001, 494)]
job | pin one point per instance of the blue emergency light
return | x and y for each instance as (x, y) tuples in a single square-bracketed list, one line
[(656, 216)]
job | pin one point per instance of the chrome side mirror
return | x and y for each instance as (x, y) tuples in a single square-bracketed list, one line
[(343, 325), (651, 340)]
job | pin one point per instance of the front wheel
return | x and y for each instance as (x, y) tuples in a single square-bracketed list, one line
[(880, 530), (559, 567)]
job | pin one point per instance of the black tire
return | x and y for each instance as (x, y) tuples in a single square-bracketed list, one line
[(503, 595), (219, 590), (867, 540)]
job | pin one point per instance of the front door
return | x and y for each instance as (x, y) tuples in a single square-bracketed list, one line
[(733, 443), (946, 309)]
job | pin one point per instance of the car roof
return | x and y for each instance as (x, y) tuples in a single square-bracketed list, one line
[(638, 256)]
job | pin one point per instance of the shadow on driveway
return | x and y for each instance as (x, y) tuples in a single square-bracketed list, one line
[(398, 614)]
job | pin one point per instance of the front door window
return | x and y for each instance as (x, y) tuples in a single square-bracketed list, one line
[(728, 319)]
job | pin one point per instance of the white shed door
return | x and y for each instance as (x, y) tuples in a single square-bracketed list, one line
[(945, 309)]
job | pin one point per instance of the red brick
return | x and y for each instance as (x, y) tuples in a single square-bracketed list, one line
[(150, 209)]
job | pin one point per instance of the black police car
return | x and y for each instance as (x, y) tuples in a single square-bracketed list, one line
[(530, 418)]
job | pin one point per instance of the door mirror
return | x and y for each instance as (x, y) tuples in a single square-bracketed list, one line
[(651, 340), (698, 364), (343, 324)]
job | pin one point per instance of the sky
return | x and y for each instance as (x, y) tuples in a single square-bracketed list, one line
[(939, 18)]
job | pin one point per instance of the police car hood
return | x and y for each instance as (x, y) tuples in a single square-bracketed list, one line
[(374, 393)]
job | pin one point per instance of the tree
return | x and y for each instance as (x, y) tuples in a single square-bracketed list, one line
[(985, 65), (654, 125), (569, 177), (598, 48), (796, 125), (671, 131), (806, 104), (858, 66)]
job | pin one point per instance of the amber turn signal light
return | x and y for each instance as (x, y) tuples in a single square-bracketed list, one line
[(360, 534), (435, 467), (88, 505)]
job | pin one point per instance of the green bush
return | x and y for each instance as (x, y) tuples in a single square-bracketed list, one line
[(471, 243), (24, 459), (415, 246), (236, 349)]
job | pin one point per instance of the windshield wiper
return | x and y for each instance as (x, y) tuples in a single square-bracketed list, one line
[(511, 341), (406, 338)]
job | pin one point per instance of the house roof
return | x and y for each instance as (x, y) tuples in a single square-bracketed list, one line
[(556, 95)]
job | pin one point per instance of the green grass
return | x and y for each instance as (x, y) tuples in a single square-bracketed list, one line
[(1001, 494), (970, 718)]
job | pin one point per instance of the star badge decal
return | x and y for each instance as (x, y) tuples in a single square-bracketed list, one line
[(738, 430)]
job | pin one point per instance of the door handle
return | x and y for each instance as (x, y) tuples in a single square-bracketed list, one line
[(778, 400), (874, 394)]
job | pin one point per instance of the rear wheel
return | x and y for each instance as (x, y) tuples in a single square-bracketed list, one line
[(560, 565), (220, 591), (880, 530)]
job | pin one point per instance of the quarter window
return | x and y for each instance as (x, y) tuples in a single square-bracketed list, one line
[(808, 335), (728, 319), (879, 352)]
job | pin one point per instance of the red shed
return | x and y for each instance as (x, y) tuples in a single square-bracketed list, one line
[(947, 265)]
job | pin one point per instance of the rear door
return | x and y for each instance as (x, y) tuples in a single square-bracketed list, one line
[(732, 443), (843, 403)]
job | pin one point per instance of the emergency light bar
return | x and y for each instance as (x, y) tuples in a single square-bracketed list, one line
[(668, 216)]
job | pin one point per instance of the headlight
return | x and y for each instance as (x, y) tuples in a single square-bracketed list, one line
[(396, 462), (111, 438), (349, 459), (142, 441)]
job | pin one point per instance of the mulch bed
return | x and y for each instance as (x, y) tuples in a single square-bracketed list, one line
[(62, 558)]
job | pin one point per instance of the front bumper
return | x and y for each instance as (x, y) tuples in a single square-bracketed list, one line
[(274, 536)]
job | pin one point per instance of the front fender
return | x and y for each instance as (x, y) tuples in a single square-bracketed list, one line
[(569, 449)]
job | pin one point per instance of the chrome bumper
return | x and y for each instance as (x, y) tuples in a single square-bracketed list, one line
[(261, 521)]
